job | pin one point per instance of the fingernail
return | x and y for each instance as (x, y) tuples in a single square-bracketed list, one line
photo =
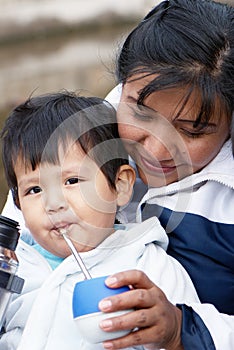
[(108, 346), (106, 324), (105, 305), (111, 280)]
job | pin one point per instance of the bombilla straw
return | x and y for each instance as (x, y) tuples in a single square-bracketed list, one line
[(76, 255)]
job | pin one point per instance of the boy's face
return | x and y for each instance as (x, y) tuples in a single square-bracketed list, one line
[(74, 195)]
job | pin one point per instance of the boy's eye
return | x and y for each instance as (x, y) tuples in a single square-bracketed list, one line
[(34, 190), (72, 181)]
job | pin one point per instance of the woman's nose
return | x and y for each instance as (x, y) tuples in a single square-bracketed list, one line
[(158, 147)]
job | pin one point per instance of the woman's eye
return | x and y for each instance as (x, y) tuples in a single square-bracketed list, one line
[(200, 130), (192, 134), (142, 116), (34, 190), (141, 113), (72, 181)]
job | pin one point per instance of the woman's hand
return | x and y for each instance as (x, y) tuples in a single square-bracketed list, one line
[(156, 322)]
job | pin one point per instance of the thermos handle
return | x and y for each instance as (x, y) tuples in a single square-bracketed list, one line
[(12, 283)]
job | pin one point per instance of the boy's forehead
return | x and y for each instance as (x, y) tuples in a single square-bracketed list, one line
[(23, 170), (70, 149), (74, 162)]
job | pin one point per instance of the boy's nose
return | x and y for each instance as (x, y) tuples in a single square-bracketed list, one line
[(55, 202)]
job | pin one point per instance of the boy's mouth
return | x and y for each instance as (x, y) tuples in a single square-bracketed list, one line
[(60, 231), (63, 231)]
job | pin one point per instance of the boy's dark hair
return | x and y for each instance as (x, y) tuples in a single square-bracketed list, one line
[(35, 128), (232, 133), (187, 44)]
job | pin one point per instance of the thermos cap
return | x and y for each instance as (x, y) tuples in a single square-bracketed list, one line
[(9, 233)]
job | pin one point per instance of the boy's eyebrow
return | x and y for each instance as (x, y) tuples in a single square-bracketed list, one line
[(75, 168), (24, 182)]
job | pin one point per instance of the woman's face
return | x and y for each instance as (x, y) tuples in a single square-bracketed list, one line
[(167, 148)]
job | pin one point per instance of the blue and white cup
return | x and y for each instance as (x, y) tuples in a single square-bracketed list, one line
[(86, 313)]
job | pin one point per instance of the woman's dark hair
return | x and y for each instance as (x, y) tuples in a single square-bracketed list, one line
[(232, 133), (186, 44), (35, 129)]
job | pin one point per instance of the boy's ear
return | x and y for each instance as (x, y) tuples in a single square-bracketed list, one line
[(125, 180)]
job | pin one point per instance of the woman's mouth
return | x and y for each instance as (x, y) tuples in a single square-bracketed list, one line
[(157, 167)]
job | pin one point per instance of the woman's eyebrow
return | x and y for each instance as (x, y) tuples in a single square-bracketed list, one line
[(194, 121), (131, 99)]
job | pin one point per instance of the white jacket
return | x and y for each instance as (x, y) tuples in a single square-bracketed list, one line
[(47, 295), (209, 197)]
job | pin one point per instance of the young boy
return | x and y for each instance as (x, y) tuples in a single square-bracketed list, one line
[(67, 170)]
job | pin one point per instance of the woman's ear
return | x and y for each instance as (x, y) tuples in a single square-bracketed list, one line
[(125, 180)]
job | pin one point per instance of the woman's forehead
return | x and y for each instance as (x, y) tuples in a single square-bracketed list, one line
[(175, 101)]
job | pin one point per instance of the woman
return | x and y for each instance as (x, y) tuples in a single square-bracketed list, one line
[(177, 98)]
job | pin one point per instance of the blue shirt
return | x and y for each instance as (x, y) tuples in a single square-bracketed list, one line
[(52, 259)]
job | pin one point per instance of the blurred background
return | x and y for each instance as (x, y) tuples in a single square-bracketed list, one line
[(48, 45)]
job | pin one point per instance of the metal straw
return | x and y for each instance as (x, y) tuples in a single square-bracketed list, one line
[(76, 255)]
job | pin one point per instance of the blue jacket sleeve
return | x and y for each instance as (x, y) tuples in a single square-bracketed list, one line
[(194, 334)]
